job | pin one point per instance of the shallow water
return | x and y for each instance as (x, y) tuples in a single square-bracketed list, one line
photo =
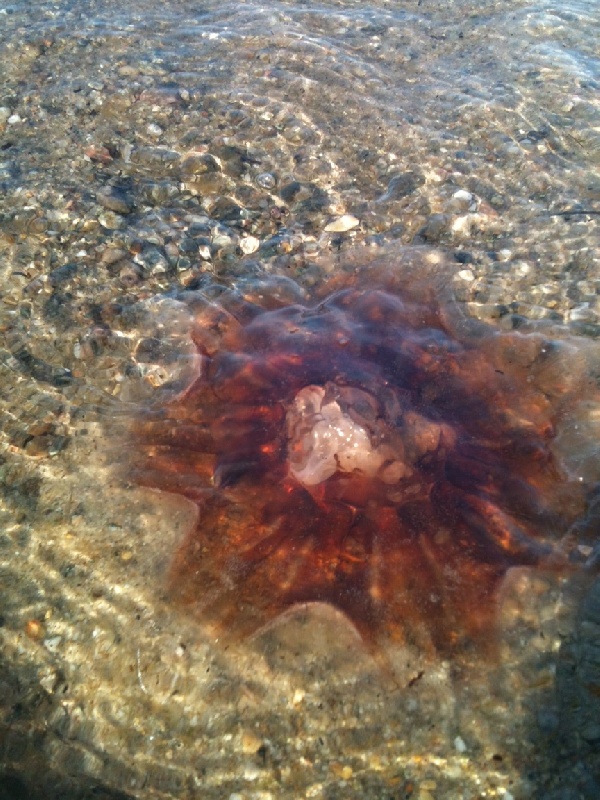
[(147, 147)]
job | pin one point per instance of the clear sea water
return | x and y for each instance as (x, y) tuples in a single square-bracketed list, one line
[(471, 126)]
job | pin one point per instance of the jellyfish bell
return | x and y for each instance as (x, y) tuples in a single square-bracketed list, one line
[(366, 446)]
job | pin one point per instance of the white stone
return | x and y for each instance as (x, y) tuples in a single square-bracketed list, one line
[(463, 225), (154, 130), (249, 244), (462, 194), (53, 643), (342, 224)]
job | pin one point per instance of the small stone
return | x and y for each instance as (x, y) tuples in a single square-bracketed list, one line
[(462, 201), (45, 445), (463, 225), (298, 697), (200, 226), (49, 680), (401, 186), (40, 428), (466, 275), (289, 192), (225, 209), (266, 180), (251, 772), (153, 261), (222, 240), (250, 743), (154, 157), (199, 163), (154, 130), (342, 224), (34, 629), (522, 268), (98, 153), (462, 194), (115, 199), (130, 274), (435, 227), (53, 643), (188, 245), (172, 252), (459, 745), (112, 255), (249, 244)]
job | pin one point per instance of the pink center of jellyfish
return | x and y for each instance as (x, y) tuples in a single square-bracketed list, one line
[(324, 440), (335, 429)]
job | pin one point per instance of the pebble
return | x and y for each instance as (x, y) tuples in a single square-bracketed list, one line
[(49, 680), (466, 275), (199, 163), (459, 745), (250, 743), (249, 244), (435, 227), (342, 224), (298, 697), (401, 186), (462, 201), (115, 200), (226, 209), (343, 771), (53, 643), (289, 192), (266, 180), (251, 772), (522, 268), (155, 156), (98, 153), (154, 130), (463, 225), (112, 255), (222, 240), (34, 629), (152, 260)]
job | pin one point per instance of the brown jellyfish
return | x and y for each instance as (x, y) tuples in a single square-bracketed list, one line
[(365, 445)]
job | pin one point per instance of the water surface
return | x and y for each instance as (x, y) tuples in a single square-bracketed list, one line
[(146, 146)]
